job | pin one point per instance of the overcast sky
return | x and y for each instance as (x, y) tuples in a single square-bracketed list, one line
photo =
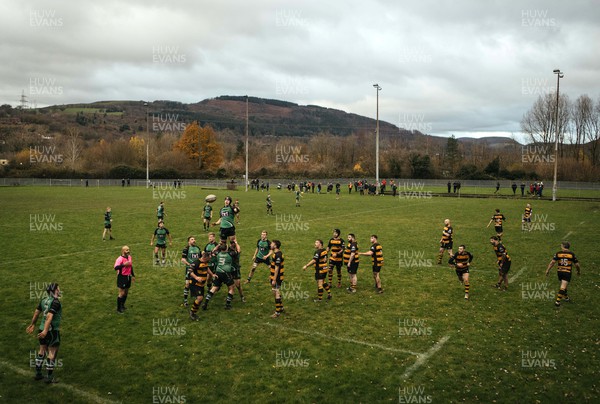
[(469, 68)]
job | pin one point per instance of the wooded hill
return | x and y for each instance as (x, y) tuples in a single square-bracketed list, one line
[(107, 138)]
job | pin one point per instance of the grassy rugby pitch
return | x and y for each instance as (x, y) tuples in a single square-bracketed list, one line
[(419, 341)]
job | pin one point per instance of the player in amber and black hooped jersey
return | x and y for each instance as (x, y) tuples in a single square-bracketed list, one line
[(566, 260), (351, 260), (277, 276), (461, 262), (376, 254), (445, 241), (199, 273), (497, 219), (503, 261), (226, 220), (261, 254), (189, 256), (526, 220), (319, 260), (335, 248)]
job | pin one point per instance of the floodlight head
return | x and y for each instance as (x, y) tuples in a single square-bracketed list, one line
[(377, 86), (556, 71)]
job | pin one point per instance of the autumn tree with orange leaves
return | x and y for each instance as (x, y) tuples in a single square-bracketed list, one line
[(211, 152)]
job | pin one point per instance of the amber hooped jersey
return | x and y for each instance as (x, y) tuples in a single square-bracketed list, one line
[(447, 235), (336, 247), (348, 250), (527, 213), (200, 269), (565, 260), (461, 258), (377, 255), (500, 250), (498, 218), (277, 261), (320, 258)]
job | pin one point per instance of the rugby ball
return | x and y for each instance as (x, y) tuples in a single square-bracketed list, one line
[(210, 198)]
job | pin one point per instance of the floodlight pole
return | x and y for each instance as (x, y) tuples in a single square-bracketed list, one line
[(559, 75), (246, 180), (378, 88), (147, 149)]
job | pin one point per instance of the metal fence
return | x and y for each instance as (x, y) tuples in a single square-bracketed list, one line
[(273, 182)]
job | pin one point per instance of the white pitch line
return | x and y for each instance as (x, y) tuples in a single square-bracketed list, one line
[(353, 341), (512, 279), (567, 235), (84, 394), (422, 358)]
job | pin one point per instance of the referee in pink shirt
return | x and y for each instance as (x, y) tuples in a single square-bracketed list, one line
[(125, 275)]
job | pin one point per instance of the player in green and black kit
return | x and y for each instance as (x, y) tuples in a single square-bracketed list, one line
[(107, 224), (212, 263), (226, 220), (160, 212), (49, 336), (224, 273), (206, 216), (261, 254), (189, 256), (160, 234), (269, 205)]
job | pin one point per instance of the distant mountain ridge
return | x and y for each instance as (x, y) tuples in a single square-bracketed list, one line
[(267, 117)]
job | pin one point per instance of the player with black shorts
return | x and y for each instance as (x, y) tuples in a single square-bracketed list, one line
[(351, 260), (161, 233), (107, 224), (261, 254), (376, 254), (445, 241), (503, 261), (526, 219), (50, 308), (198, 275), (226, 220), (497, 219), (335, 248), (461, 262), (277, 276), (319, 260), (566, 259), (224, 273), (189, 256)]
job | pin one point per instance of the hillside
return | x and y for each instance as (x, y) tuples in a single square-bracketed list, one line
[(109, 119)]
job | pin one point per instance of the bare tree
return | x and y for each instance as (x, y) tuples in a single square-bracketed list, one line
[(539, 123), (581, 113), (593, 133), (74, 146)]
